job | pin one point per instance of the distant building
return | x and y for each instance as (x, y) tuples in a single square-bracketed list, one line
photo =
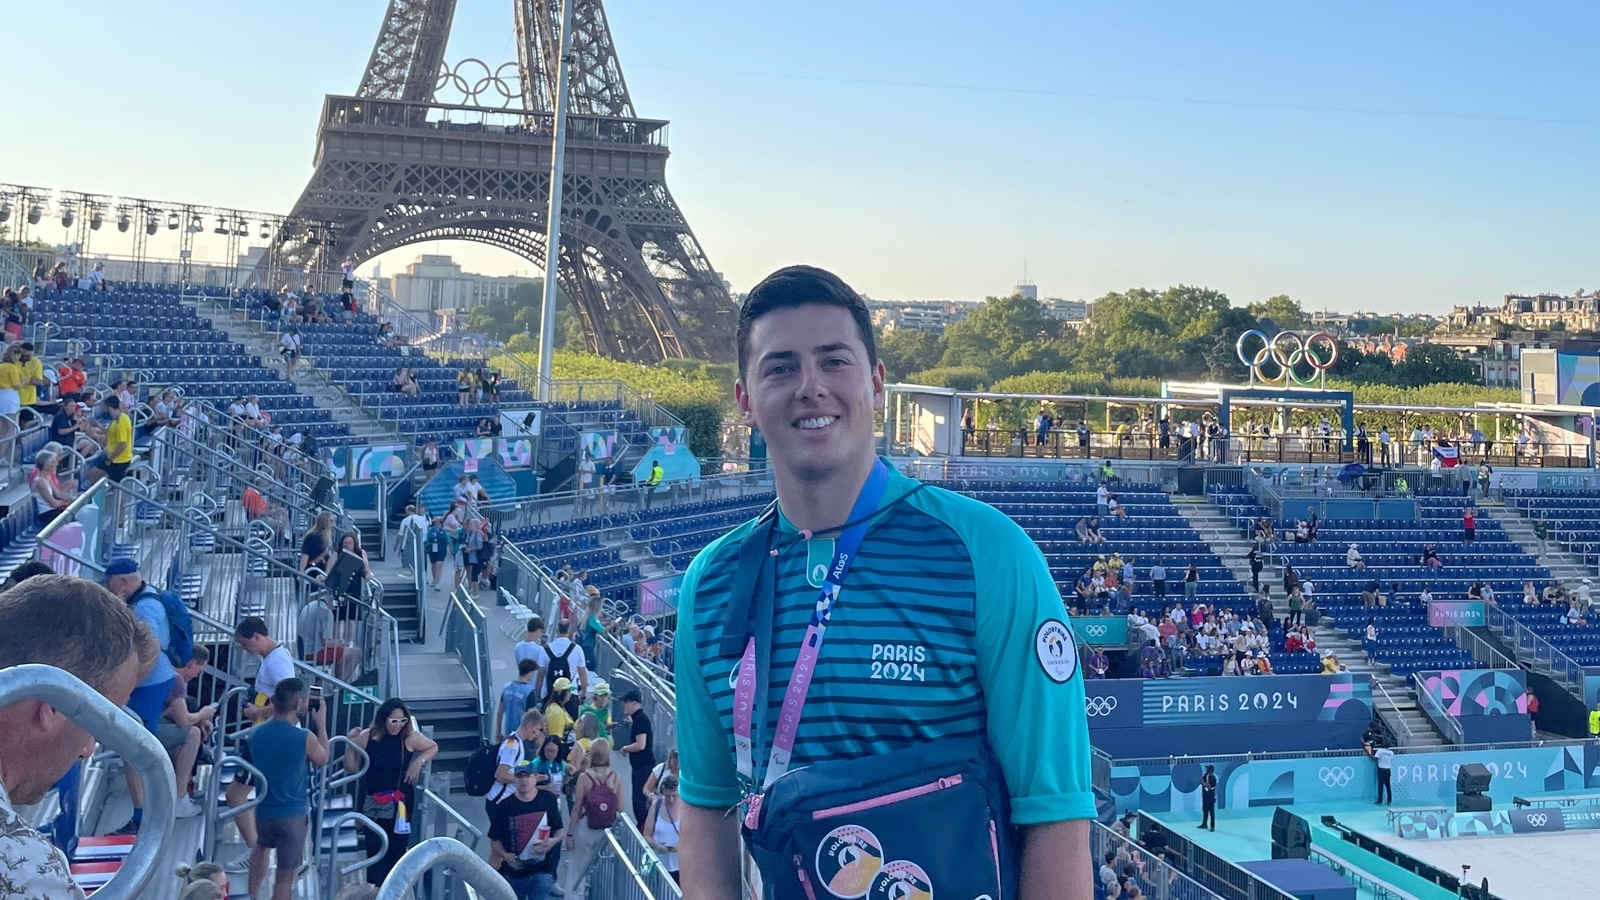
[(435, 282), (1031, 291), (1066, 310), (932, 316), (1579, 312), (1499, 354), (1465, 317)]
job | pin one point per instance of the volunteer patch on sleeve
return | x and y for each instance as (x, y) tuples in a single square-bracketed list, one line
[(1057, 652)]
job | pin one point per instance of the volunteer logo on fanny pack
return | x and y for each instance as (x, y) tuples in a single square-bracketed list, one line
[(1057, 653), (901, 880), (847, 859)]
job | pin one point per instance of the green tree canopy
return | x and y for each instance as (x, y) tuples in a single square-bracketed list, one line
[(1283, 311)]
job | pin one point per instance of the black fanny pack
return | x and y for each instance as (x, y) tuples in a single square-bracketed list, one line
[(927, 821)]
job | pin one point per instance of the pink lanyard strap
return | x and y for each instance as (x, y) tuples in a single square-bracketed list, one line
[(805, 665)]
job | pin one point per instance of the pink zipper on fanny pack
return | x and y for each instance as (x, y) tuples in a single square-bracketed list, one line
[(887, 799), (805, 880)]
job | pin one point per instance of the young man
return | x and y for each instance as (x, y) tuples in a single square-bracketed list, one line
[(277, 664), (525, 831), (519, 746), (281, 750), (532, 648), (514, 698), (122, 578), (80, 627), (641, 753), (810, 379)]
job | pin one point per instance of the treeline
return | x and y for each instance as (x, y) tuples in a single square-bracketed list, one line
[(1183, 333)]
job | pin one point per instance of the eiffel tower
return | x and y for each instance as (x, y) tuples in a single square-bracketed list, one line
[(396, 166)]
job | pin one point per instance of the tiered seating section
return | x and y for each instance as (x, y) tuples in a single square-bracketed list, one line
[(146, 332), (1154, 528), (1571, 518), (682, 531), (1392, 551)]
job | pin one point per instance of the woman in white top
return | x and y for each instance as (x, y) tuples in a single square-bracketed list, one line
[(661, 826), (49, 497), (662, 769)]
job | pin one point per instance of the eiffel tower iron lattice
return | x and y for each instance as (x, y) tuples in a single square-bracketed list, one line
[(396, 166)]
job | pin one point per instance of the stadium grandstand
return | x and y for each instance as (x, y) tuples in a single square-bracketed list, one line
[(1297, 626)]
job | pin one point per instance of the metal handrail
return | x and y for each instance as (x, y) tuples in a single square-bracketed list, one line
[(1235, 758), (441, 851), (1481, 650), (1560, 662), (461, 821), (335, 871), (1441, 719), (222, 458), (138, 747), (1377, 685), (347, 777), (256, 774)]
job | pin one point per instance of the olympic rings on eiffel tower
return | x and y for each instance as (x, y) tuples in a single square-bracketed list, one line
[(478, 86), (1291, 352)]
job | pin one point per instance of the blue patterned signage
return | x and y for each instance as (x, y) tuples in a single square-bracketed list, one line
[(1101, 631), (1466, 613), (1491, 705)]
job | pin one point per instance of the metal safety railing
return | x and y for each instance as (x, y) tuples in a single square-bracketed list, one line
[(1448, 725), (463, 868), (122, 735), (628, 869), (571, 505), (1483, 652), (465, 631), (1534, 648), (1220, 876), (1157, 879), (1396, 722), (659, 697)]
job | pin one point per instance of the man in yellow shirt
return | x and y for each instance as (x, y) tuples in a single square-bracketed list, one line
[(119, 444), (32, 378)]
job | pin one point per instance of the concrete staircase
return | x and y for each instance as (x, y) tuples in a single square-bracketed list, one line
[(1565, 566), (309, 379), (1393, 697)]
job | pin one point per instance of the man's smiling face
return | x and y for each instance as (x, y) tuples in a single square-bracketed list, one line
[(811, 388)]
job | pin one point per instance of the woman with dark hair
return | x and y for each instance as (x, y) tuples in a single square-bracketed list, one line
[(396, 753)]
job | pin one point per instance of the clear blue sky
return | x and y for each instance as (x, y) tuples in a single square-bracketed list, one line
[(1354, 154)]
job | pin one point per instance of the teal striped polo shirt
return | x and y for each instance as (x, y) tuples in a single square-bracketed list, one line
[(949, 625)]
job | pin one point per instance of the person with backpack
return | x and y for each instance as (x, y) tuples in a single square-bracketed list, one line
[(174, 632), (597, 801), (567, 659), (490, 772)]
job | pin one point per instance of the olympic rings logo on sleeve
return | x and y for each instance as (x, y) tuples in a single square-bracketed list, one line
[(1291, 352)]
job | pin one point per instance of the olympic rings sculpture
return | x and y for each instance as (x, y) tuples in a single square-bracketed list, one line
[(471, 82), (1292, 353)]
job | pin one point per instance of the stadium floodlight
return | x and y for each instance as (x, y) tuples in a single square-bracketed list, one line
[(222, 225), (241, 228), (196, 224), (266, 231), (5, 209), (68, 215), (35, 212), (172, 221), (123, 219), (152, 224)]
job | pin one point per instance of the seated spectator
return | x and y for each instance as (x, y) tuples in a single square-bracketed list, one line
[(1115, 507), (1425, 596), (1574, 614), (1095, 537), (1330, 662), (1555, 593), (1475, 591), (70, 380), (1302, 532), (1530, 596), (50, 497), (1430, 557), (1263, 662), (1263, 531), (1352, 558)]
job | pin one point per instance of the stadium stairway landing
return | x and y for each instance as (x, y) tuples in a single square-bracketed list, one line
[(1393, 696), (309, 379)]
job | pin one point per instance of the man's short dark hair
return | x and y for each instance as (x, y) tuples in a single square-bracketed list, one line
[(113, 403), (796, 286), (201, 655), (249, 627), (526, 667), (27, 570), (286, 696)]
